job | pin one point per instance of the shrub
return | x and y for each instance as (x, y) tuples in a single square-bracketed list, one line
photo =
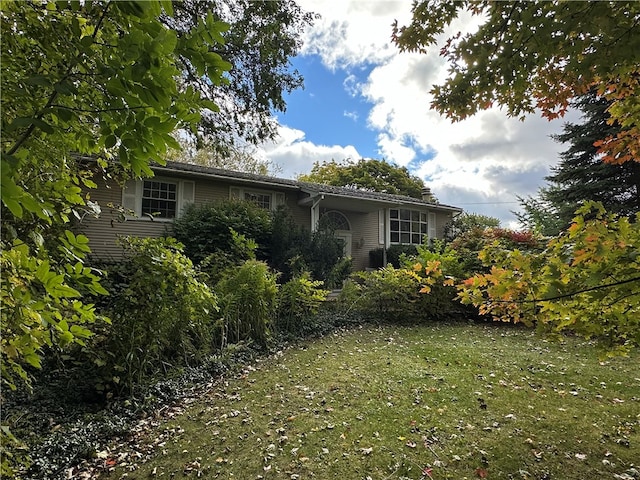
[(422, 289), (295, 250), (439, 267), (206, 229), (247, 303), (387, 294), (394, 254), (469, 244), (287, 241), (298, 301), (339, 273), (216, 264), (161, 313), (323, 253)]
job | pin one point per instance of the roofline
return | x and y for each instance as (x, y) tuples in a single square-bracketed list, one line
[(242, 177), (289, 184), (399, 200), (307, 187)]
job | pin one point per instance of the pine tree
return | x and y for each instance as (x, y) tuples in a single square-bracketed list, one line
[(581, 174)]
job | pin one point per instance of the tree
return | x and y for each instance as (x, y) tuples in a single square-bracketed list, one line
[(85, 78), (235, 157), (262, 37), (527, 56), (366, 174), (584, 281), (466, 222), (581, 175)]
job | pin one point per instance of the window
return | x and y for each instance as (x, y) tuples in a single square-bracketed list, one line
[(335, 220), (262, 198), (407, 226), (157, 198)]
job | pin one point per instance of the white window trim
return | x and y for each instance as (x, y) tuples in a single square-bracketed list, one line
[(388, 224), (132, 197), (277, 198)]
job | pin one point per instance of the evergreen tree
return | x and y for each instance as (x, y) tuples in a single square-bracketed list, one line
[(581, 174)]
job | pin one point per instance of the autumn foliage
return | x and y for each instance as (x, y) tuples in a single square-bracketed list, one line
[(536, 57), (585, 281)]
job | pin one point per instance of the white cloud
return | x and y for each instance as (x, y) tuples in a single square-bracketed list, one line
[(481, 163), (295, 155), (351, 33), (351, 85), (352, 115)]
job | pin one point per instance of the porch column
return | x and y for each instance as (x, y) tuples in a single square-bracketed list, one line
[(386, 237), (315, 212)]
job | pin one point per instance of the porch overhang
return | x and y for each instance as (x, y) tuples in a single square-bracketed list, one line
[(361, 202)]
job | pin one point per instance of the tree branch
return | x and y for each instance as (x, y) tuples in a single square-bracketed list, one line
[(568, 295), (23, 138)]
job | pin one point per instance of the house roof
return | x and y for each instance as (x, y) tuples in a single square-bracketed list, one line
[(313, 189)]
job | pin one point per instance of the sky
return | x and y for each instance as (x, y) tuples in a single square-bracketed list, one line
[(363, 98)]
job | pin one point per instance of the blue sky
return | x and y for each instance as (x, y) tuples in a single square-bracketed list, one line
[(365, 99), (326, 110)]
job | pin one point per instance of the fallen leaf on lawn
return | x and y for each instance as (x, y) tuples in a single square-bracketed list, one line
[(481, 472), (581, 456), (366, 451)]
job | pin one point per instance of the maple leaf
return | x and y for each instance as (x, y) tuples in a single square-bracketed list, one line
[(427, 471), (481, 472)]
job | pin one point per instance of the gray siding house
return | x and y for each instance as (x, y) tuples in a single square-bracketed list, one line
[(366, 220)]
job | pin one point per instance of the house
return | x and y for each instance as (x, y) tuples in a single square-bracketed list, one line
[(365, 220)]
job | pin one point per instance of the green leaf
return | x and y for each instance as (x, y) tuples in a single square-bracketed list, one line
[(42, 125), (40, 80), (13, 206), (65, 88), (65, 114), (110, 141)]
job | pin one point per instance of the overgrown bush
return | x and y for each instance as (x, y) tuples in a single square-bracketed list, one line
[(394, 254), (295, 250), (388, 294), (216, 264), (162, 314), (298, 302), (247, 298), (287, 240), (339, 273), (422, 289), (206, 229)]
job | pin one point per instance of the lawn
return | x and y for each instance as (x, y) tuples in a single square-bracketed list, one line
[(446, 401)]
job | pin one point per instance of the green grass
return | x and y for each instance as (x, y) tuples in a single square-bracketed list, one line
[(466, 401)]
